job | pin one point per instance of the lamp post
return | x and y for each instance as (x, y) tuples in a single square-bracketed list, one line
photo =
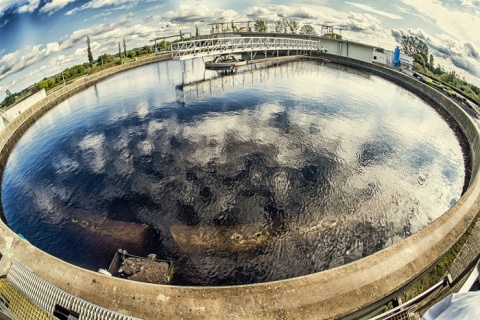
[(63, 78), (164, 43), (197, 34), (213, 23), (61, 68)]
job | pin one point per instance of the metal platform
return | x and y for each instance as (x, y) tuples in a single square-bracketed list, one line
[(216, 46), (49, 299)]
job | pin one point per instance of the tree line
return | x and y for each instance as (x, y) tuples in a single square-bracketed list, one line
[(424, 62), (102, 62), (285, 26)]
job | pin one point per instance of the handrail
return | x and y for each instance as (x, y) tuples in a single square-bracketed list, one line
[(447, 280), (188, 49)]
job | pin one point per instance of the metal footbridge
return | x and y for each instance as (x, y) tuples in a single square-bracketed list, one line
[(248, 45)]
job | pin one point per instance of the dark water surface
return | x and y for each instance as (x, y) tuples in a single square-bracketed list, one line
[(263, 175)]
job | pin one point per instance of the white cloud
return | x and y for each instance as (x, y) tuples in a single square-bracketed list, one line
[(55, 5), (96, 4), (376, 11), (186, 13), (276, 12), (93, 152), (15, 61), (29, 6), (104, 38), (470, 3), (455, 21), (24, 6), (6, 4), (363, 22)]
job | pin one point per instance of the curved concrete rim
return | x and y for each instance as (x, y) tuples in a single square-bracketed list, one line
[(345, 291)]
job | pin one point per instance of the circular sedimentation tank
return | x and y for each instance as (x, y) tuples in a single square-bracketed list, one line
[(305, 295)]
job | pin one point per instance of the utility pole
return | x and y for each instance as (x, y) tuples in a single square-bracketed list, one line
[(61, 68)]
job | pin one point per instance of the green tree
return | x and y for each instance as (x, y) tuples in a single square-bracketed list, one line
[(474, 88), (260, 26), (42, 84), (9, 99), (431, 62), (307, 29), (280, 26), (449, 77), (131, 54), (286, 26), (412, 46), (89, 51), (105, 58), (438, 70), (417, 57), (124, 47), (417, 66), (293, 26), (119, 51)]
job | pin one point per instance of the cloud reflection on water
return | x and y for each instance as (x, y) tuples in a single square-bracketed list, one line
[(300, 143)]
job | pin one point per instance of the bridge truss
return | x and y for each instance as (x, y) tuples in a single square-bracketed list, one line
[(250, 45)]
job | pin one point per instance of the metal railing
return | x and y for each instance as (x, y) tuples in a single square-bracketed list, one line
[(204, 47), (403, 310), (46, 296)]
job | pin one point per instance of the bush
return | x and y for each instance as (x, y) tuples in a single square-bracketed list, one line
[(131, 54)]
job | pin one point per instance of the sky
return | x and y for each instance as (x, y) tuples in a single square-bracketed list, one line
[(39, 37)]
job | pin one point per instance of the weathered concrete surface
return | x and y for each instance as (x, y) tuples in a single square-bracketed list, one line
[(334, 293)]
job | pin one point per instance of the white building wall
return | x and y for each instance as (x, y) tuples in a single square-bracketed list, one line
[(360, 52), (406, 61), (349, 49), (388, 57), (379, 57)]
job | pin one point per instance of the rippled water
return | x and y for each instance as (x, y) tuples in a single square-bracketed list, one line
[(267, 174)]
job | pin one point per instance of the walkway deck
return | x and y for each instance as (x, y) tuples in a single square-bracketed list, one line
[(216, 46), (19, 306)]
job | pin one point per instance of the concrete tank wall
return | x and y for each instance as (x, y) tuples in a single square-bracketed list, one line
[(346, 291)]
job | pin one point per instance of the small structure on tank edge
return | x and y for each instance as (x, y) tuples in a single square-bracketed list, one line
[(224, 62), (143, 269)]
